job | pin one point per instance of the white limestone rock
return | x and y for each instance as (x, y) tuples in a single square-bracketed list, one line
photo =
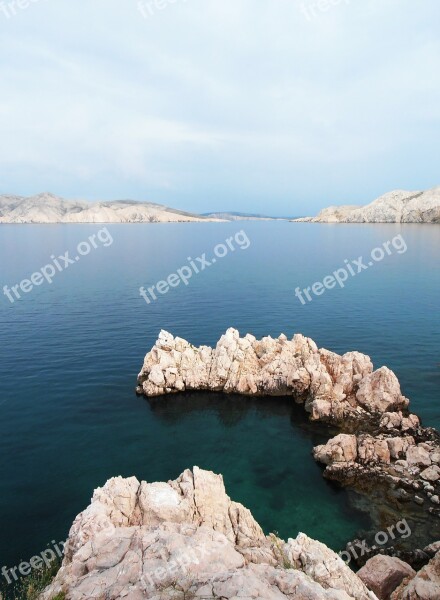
[(394, 207), (48, 208), (187, 538), (332, 387)]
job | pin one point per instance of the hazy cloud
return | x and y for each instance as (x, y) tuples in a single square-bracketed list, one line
[(217, 104)]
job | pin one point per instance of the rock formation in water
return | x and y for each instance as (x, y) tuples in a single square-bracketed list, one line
[(47, 208), (395, 207), (381, 445), (187, 539), (336, 389)]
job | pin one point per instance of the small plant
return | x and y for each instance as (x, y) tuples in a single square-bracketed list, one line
[(279, 551), (30, 587)]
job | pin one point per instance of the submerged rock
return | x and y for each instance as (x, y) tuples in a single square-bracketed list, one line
[(188, 539)]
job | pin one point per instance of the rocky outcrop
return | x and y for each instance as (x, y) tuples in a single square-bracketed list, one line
[(395, 207), (383, 574), (335, 389), (382, 445), (47, 208), (424, 586), (405, 466), (187, 539)]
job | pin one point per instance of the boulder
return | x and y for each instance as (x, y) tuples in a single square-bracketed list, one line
[(424, 586), (418, 456), (383, 574), (373, 450), (340, 449), (431, 473), (380, 392)]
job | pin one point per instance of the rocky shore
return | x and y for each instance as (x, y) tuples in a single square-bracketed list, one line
[(382, 451), (186, 539)]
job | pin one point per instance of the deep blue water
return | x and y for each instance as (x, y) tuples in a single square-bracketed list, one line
[(70, 353)]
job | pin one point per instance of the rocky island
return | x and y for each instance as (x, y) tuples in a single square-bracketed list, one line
[(398, 206)]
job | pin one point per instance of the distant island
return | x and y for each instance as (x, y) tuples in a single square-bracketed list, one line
[(394, 207), (239, 216), (398, 206), (48, 208)]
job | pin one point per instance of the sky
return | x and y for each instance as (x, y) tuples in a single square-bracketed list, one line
[(279, 107)]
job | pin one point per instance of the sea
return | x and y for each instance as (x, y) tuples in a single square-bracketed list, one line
[(74, 334)]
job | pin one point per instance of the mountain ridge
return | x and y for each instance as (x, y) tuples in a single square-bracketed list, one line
[(47, 208), (398, 206)]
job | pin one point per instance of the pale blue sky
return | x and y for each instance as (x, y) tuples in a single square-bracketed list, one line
[(268, 106)]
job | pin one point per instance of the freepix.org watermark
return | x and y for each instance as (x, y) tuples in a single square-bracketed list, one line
[(36, 562), (195, 266), (312, 8), (10, 8), (149, 8), (351, 269), (47, 273), (361, 548)]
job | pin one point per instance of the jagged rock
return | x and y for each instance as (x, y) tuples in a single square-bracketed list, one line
[(435, 457), (341, 449), (398, 446), (323, 566), (333, 388), (431, 473), (187, 538), (418, 456), (396, 420), (372, 450), (380, 440), (424, 586), (383, 574), (380, 392)]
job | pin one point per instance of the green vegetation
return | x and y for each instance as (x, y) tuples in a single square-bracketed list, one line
[(30, 587), (277, 545)]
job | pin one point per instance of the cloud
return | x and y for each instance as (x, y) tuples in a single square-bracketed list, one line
[(213, 105)]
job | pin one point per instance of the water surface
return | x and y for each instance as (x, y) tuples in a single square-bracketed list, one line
[(70, 353)]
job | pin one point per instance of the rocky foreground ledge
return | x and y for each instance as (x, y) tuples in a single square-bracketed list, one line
[(382, 445), (186, 539)]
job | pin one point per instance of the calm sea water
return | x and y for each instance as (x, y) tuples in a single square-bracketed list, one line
[(70, 353)]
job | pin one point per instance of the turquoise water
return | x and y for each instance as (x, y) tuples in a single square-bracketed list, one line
[(70, 353)]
